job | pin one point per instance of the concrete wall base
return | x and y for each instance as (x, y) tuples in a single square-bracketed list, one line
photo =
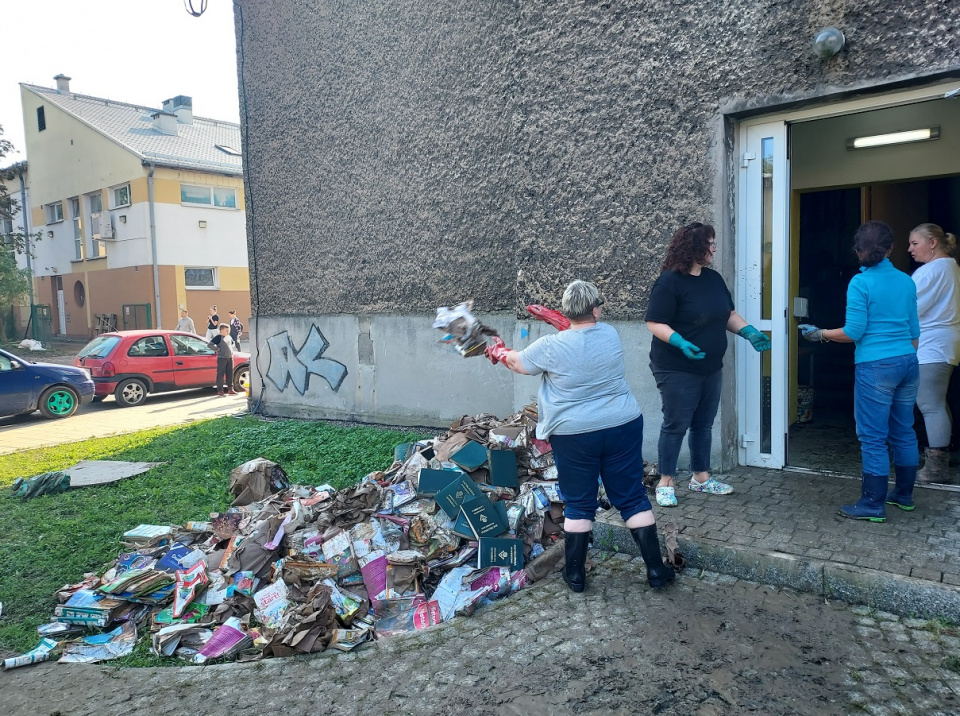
[(898, 594), (393, 370)]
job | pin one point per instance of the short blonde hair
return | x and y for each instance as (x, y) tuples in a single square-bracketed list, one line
[(579, 299)]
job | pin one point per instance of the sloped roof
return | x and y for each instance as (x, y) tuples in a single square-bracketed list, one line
[(194, 147)]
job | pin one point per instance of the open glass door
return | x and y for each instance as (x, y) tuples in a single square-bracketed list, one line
[(763, 270)]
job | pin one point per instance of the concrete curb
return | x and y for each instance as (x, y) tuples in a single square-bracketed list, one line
[(904, 596)]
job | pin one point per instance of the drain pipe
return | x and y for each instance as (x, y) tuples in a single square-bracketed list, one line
[(153, 245)]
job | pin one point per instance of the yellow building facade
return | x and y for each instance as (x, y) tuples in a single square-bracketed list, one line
[(140, 212)]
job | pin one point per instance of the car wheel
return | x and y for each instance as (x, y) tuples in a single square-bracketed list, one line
[(130, 392), (241, 379), (58, 402)]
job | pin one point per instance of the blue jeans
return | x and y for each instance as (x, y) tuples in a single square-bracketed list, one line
[(690, 402), (616, 454), (884, 395)]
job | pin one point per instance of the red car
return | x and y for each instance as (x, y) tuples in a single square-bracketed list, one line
[(131, 364)]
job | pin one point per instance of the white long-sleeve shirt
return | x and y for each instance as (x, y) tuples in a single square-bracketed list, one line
[(938, 305)]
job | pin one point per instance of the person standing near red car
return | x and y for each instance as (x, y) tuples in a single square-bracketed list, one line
[(236, 328), (213, 321), (223, 345)]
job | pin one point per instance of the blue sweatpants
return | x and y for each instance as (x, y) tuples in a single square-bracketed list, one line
[(616, 455)]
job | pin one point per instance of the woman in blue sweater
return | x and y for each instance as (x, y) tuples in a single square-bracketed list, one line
[(882, 321)]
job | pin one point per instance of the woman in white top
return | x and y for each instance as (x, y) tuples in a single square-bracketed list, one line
[(938, 303)]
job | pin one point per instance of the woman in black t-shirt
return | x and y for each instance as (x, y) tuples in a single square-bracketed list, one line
[(689, 314), (213, 323)]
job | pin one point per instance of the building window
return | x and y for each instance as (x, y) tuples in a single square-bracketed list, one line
[(79, 294), (225, 198), (227, 149), (121, 196), (54, 212), (200, 277), (41, 119), (218, 197), (77, 228), (98, 248)]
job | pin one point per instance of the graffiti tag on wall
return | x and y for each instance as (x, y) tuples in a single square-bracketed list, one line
[(290, 365)]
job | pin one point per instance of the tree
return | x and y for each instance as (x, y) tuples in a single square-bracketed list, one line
[(15, 239), (14, 285), (14, 281)]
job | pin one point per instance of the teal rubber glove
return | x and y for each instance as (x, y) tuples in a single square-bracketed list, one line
[(689, 350), (758, 340)]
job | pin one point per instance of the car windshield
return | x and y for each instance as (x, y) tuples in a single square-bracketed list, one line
[(99, 347)]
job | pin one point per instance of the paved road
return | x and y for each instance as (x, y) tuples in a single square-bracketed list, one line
[(96, 420), (706, 646)]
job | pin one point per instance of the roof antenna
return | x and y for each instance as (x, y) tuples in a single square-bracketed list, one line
[(188, 6)]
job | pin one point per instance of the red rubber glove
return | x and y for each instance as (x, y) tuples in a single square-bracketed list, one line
[(496, 351), (549, 315)]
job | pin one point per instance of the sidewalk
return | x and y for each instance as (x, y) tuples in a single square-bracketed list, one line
[(96, 420), (782, 528)]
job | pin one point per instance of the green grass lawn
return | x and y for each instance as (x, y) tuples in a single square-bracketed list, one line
[(51, 541)]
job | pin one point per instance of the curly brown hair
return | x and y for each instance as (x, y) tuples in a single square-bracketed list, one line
[(690, 245)]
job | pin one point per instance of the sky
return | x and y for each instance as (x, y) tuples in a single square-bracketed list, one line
[(135, 51)]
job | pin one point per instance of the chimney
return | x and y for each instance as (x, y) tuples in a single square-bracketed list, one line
[(165, 122), (182, 106), (63, 83)]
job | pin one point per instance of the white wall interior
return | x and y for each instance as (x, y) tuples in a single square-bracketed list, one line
[(820, 157)]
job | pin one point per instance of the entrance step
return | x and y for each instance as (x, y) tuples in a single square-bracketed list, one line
[(781, 528)]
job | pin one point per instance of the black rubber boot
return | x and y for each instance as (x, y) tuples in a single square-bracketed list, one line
[(575, 549), (902, 494), (658, 573)]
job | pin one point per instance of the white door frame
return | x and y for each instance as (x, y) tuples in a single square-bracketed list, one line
[(763, 240), (749, 264)]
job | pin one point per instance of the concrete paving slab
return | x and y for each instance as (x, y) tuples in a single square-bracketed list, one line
[(100, 472)]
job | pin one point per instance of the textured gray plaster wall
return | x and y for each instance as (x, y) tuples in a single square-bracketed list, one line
[(378, 153), (402, 155)]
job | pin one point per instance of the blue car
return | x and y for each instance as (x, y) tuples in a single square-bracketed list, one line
[(55, 390)]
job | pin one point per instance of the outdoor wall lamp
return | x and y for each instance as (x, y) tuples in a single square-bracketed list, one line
[(123, 218), (884, 140), (49, 234), (828, 42), (202, 224)]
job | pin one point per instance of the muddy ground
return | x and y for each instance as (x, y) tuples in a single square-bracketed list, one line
[(707, 645)]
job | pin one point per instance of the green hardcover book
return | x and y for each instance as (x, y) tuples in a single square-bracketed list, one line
[(470, 456), (462, 527), (432, 481), (453, 495), (500, 552), (503, 468), (485, 519)]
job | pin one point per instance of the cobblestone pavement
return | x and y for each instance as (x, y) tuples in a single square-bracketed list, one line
[(796, 513), (707, 645)]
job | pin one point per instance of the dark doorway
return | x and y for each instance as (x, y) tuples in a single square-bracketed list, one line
[(823, 435)]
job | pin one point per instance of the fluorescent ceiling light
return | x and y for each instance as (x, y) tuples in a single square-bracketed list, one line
[(883, 140)]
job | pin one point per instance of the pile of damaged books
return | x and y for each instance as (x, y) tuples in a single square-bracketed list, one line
[(455, 522)]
